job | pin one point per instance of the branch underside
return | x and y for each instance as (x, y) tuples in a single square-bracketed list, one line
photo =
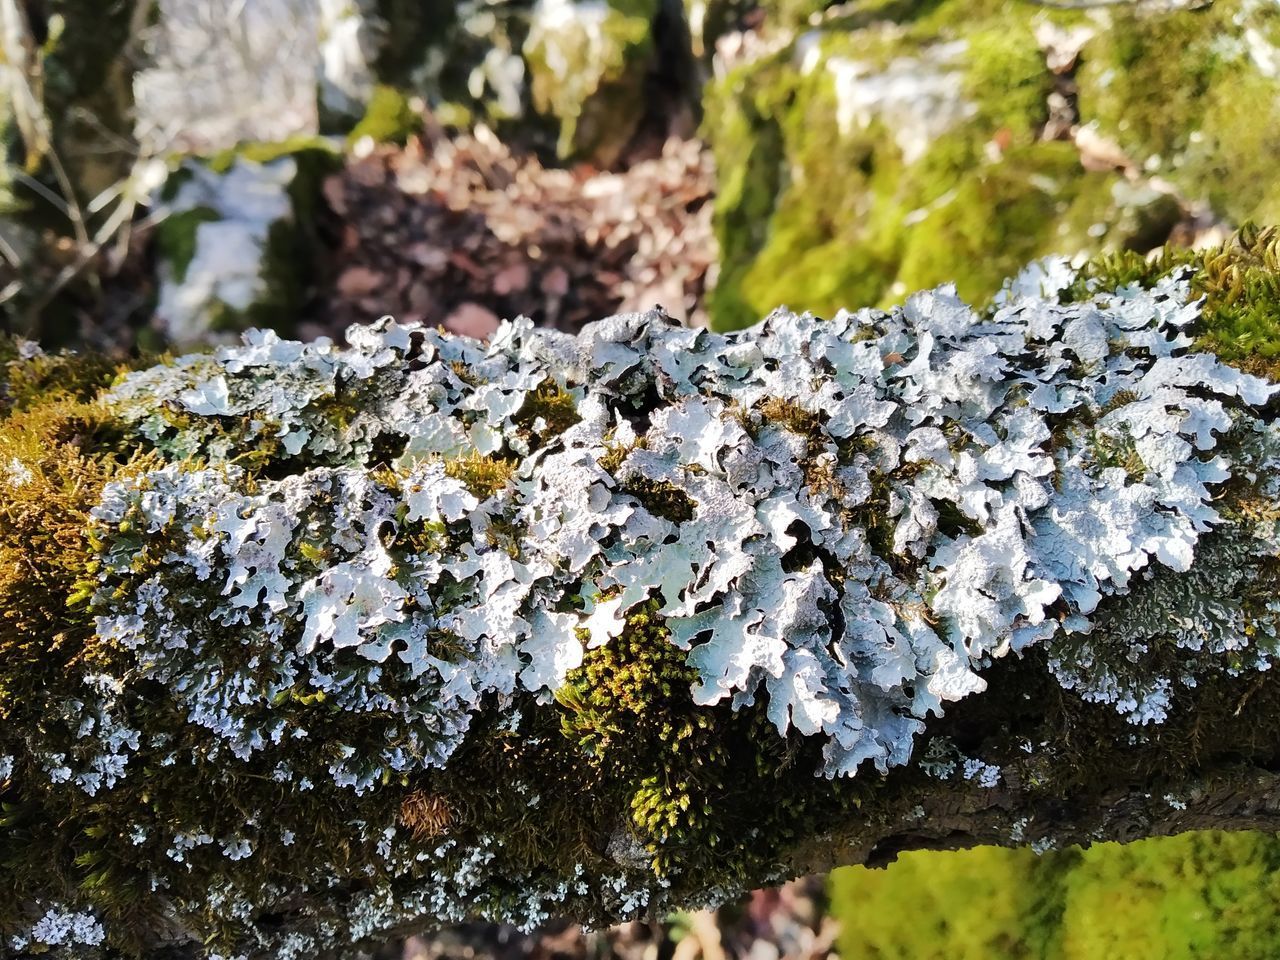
[(305, 646)]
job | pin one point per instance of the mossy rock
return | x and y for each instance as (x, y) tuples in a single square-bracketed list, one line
[(566, 76), (618, 780), (235, 248), (1189, 95), (899, 145), (465, 64)]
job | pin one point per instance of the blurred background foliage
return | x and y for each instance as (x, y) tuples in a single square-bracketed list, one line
[(172, 171), (1197, 895), (569, 158)]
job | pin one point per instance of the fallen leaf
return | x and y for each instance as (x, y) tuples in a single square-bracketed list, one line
[(472, 320)]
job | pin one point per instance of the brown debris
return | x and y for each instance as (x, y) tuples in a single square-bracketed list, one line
[(462, 232), (426, 815), (783, 924)]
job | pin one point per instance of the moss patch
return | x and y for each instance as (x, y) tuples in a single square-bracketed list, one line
[(1240, 283), (1198, 67), (818, 218), (483, 476), (389, 118)]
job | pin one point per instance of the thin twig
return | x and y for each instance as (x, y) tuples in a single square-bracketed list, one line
[(9, 254)]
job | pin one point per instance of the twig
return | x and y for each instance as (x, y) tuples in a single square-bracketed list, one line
[(38, 188)]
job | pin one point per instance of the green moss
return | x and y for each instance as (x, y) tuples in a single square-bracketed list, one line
[(691, 779), (46, 378), (1006, 77), (389, 118), (175, 237), (965, 905), (817, 220), (1240, 283), (548, 411), (1205, 894), (265, 151), (749, 149), (58, 453), (483, 476), (1197, 66), (627, 707), (999, 216)]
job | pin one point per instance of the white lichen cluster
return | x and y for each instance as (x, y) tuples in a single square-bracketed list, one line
[(1021, 465), (360, 570), (58, 927)]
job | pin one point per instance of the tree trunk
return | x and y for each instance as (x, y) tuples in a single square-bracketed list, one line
[(304, 647)]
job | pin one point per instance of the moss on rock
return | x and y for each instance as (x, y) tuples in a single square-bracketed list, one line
[(1213, 72), (876, 134), (389, 117), (901, 145), (236, 246)]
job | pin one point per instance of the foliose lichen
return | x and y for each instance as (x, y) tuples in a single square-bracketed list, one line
[(380, 622)]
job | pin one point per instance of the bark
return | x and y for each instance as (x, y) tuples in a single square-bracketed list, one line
[(305, 647)]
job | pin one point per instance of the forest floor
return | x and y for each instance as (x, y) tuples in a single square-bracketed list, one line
[(787, 923), (464, 232)]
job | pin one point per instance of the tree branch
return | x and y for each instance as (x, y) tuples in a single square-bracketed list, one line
[(305, 646)]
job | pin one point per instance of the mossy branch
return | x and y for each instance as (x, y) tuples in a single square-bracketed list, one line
[(302, 646)]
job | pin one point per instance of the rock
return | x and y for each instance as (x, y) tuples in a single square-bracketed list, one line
[(231, 248), (462, 59), (1192, 96), (351, 35), (218, 74), (574, 77)]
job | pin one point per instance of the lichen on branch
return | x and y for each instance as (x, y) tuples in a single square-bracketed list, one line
[(420, 628)]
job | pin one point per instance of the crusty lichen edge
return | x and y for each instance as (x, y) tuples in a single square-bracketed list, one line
[(302, 645)]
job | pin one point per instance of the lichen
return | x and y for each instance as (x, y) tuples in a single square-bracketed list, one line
[(436, 628)]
